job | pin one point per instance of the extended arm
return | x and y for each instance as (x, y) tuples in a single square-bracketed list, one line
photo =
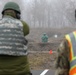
[(62, 59)]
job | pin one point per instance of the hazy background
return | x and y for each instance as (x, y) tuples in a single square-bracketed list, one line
[(46, 13)]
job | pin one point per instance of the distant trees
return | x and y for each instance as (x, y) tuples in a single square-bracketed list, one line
[(47, 13), (54, 13)]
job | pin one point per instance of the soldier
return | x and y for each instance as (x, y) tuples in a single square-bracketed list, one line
[(66, 56), (13, 50), (44, 38)]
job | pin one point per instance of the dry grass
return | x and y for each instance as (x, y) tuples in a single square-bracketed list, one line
[(41, 60), (44, 60)]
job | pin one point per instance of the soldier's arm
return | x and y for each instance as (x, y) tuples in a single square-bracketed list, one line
[(26, 29), (62, 59)]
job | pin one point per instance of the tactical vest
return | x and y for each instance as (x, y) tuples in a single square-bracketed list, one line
[(12, 40), (72, 43)]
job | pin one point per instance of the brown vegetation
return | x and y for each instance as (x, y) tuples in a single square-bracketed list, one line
[(39, 57)]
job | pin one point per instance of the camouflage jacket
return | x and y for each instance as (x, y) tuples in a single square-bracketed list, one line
[(62, 60)]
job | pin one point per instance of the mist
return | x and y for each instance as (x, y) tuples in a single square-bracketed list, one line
[(46, 13)]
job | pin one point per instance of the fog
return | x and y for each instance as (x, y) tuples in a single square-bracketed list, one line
[(46, 13)]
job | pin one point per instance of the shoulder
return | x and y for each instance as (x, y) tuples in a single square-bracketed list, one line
[(23, 22), (63, 47)]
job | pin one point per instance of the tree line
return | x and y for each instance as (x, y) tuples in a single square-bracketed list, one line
[(47, 13)]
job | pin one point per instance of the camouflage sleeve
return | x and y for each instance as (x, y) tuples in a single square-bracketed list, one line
[(62, 59)]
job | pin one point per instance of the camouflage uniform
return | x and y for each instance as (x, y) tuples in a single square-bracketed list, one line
[(62, 60), (44, 38), (14, 65)]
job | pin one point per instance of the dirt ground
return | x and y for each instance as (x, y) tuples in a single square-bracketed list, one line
[(42, 60), (39, 57)]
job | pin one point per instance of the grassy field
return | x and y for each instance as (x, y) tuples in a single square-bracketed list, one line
[(41, 61)]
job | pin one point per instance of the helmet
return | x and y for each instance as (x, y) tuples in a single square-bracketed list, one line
[(11, 5), (44, 33)]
